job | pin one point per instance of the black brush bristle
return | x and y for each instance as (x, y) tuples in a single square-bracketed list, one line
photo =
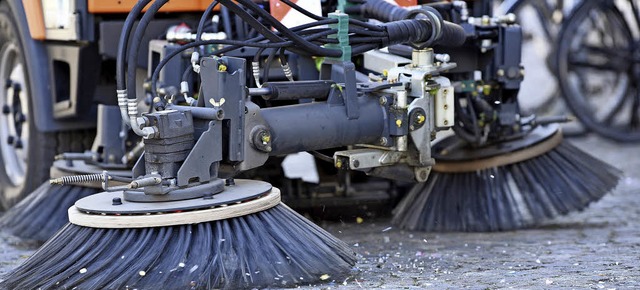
[(276, 247), (509, 197), (43, 212)]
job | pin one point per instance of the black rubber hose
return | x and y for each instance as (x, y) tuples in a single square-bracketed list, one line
[(234, 45), (239, 12), (203, 19), (122, 43), (415, 30), (451, 34), (226, 21), (299, 41), (132, 58), (383, 11), (303, 11), (239, 25), (199, 31), (267, 65), (407, 31), (186, 74)]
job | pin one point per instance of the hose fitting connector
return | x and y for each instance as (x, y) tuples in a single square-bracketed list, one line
[(287, 71), (137, 124), (122, 104), (255, 69), (195, 58)]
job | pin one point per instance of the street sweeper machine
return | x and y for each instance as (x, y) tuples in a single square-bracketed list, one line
[(365, 85)]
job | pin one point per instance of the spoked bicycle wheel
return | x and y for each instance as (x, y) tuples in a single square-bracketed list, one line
[(598, 67)]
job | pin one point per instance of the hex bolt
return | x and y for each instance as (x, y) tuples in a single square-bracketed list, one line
[(262, 140), (116, 201), (423, 175), (18, 144), (356, 163), (384, 141), (6, 109), (265, 137), (229, 182), (220, 114), (10, 139), (20, 118), (383, 101)]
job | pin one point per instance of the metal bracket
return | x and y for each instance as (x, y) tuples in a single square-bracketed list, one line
[(359, 159), (351, 91), (201, 163), (224, 78)]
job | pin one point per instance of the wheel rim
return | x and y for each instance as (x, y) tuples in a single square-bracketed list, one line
[(597, 72), (14, 127)]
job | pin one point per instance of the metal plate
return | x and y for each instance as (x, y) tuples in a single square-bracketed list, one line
[(210, 188), (451, 148), (102, 203)]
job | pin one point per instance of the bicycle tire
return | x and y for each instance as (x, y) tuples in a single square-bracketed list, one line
[(578, 100)]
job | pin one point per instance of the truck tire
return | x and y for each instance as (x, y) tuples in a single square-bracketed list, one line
[(25, 152)]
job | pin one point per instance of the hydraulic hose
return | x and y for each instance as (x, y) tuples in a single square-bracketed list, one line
[(122, 55), (421, 30), (449, 34), (298, 40), (132, 58), (383, 11), (203, 19), (132, 65)]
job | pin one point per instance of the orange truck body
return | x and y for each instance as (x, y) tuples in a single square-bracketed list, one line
[(35, 17)]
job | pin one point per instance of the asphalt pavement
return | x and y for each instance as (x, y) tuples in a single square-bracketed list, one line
[(598, 248)]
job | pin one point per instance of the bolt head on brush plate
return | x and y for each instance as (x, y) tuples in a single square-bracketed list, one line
[(243, 198)]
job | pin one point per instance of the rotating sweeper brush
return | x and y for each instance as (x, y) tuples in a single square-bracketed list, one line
[(501, 170), (184, 222), (43, 212), (74, 176), (505, 186)]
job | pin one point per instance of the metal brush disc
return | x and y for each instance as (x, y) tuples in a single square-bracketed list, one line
[(452, 155), (103, 203), (245, 197)]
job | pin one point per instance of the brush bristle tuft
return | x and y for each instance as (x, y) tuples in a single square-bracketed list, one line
[(273, 248), (41, 214), (510, 197)]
